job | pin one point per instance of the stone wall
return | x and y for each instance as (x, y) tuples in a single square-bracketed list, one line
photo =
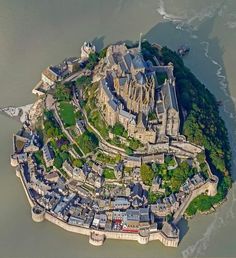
[(158, 235), (187, 146), (210, 187)]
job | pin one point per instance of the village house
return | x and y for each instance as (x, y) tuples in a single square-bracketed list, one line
[(138, 196), (80, 126), (48, 155), (156, 184), (120, 203), (118, 170), (74, 172), (57, 73), (97, 168)]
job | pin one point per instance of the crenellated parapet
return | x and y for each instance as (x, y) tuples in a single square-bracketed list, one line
[(37, 213), (143, 237), (96, 239)]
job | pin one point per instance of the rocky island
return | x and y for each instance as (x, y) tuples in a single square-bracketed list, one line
[(121, 144)]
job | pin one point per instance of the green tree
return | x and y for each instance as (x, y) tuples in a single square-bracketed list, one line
[(88, 142), (62, 93), (118, 129), (92, 61), (147, 174), (102, 53), (51, 129), (64, 155), (201, 157), (58, 162), (180, 175), (134, 144), (83, 81), (78, 163), (203, 124), (129, 151)]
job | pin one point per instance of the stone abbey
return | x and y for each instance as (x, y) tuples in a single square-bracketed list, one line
[(82, 175), (129, 93)]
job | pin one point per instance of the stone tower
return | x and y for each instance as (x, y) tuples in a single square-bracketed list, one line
[(140, 43)]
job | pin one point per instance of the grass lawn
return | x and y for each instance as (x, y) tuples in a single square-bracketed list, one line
[(116, 141), (105, 158), (87, 142), (108, 173), (97, 121), (67, 113)]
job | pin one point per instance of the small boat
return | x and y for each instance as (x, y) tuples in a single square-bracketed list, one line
[(183, 50), (219, 103)]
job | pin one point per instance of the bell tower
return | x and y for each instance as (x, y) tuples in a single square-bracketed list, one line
[(140, 43)]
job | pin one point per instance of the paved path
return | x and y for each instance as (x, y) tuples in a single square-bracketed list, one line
[(76, 75)]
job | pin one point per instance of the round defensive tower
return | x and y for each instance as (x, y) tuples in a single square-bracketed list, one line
[(143, 237), (170, 234), (14, 161), (37, 213), (96, 239), (18, 171)]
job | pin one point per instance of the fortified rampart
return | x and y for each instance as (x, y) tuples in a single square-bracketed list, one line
[(210, 187), (39, 214), (142, 239)]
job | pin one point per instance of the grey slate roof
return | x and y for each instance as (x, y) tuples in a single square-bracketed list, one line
[(170, 100), (71, 60), (132, 215), (106, 88), (112, 104), (127, 114), (144, 214), (140, 78), (48, 153), (56, 70), (138, 190), (128, 60), (123, 67), (138, 62)]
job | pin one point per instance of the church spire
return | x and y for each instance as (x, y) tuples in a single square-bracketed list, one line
[(140, 42)]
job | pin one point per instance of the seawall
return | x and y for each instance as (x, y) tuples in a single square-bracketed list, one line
[(112, 234), (142, 239)]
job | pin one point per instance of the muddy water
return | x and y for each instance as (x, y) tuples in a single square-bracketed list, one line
[(34, 34)]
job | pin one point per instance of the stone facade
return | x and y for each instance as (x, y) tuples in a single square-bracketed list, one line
[(86, 50), (129, 92), (56, 73)]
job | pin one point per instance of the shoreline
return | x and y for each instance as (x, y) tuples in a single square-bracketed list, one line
[(18, 113), (213, 209), (167, 232)]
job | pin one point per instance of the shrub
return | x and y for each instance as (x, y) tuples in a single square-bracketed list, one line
[(147, 174), (88, 142), (118, 129)]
